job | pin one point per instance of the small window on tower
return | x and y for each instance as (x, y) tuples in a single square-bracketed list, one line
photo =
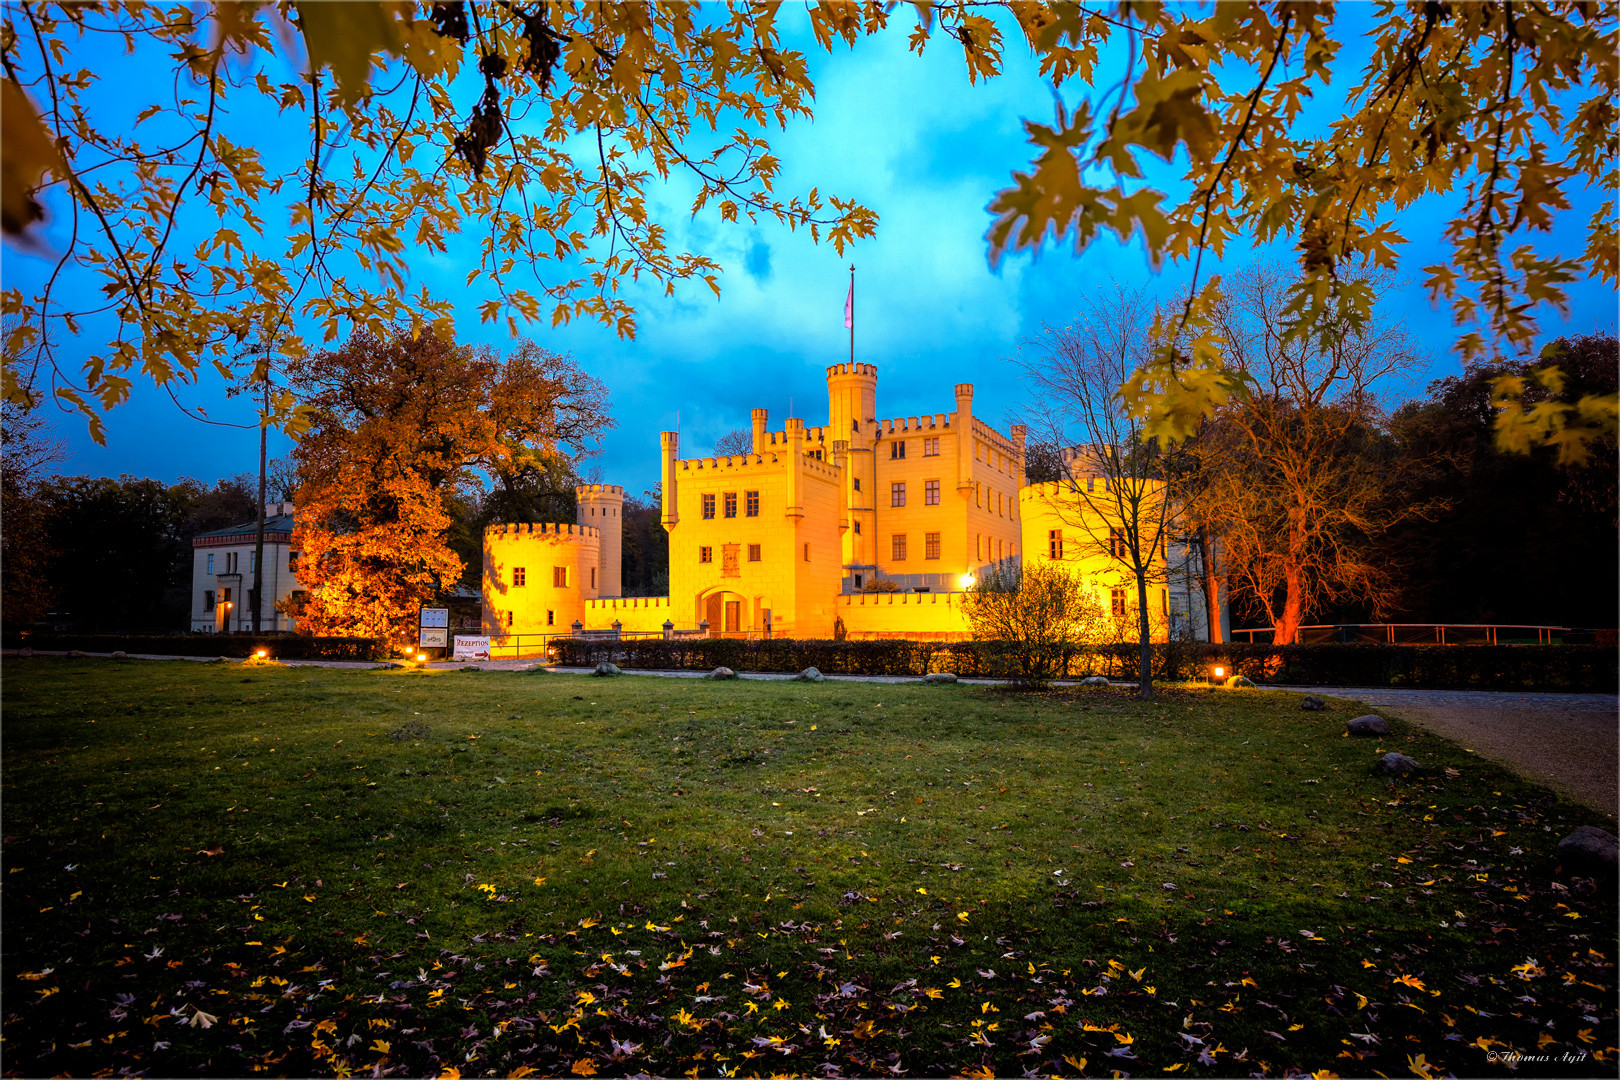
[(753, 553), (593, 577), (551, 618), (1054, 544), (706, 554), (857, 483), (520, 576), (559, 576), (807, 552), (857, 528)]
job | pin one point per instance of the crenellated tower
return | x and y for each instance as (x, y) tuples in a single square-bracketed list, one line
[(601, 506)]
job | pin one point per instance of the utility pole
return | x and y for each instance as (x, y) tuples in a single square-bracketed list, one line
[(258, 542)]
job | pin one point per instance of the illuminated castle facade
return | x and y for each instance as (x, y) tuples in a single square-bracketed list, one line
[(874, 524)]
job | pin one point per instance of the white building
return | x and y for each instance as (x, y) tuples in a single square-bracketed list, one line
[(222, 574)]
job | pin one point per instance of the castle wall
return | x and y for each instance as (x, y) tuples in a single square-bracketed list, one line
[(923, 616), (538, 576)]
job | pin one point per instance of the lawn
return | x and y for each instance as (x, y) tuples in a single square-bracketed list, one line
[(228, 870)]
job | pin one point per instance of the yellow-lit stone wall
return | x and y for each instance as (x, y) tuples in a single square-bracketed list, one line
[(537, 576)]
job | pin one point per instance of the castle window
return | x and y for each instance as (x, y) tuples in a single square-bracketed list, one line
[(897, 547), (897, 450), (551, 618), (751, 503), (210, 564), (931, 447), (807, 552), (977, 494), (857, 527), (931, 545), (978, 547), (559, 577), (731, 504), (706, 554), (292, 562), (753, 553), (1116, 542), (208, 599), (509, 618), (708, 506), (1091, 483), (593, 577), (857, 483), (520, 576), (998, 551), (897, 494), (1054, 544), (1117, 598), (931, 492)]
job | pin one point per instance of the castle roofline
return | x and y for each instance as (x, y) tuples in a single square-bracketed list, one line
[(543, 528)]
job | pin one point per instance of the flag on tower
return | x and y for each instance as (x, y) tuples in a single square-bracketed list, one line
[(849, 305)]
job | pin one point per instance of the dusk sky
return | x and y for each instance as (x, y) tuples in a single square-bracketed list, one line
[(907, 137)]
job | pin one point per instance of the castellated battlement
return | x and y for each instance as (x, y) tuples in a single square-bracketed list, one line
[(846, 370), (733, 463), (608, 491), (915, 423), (543, 528)]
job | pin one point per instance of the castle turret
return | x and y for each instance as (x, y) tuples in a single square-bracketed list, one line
[(964, 437), (795, 441), (601, 506), (851, 399), (670, 441), (761, 417), (1020, 435)]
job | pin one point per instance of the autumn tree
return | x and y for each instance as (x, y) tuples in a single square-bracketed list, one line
[(1298, 477), (27, 454), (400, 427), (1111, 489), (582, 109), (1032, 617)]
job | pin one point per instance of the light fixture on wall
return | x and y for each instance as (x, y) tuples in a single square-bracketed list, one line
[(966, 581)]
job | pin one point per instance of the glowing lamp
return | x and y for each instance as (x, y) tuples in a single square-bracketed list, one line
[(1220, 673), (421, 658), (262, 654), (966, 581)]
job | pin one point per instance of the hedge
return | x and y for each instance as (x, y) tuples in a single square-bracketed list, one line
[(280, 646), (1589, 668)]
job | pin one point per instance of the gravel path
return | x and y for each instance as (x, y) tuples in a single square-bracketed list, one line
[(1570, 742)]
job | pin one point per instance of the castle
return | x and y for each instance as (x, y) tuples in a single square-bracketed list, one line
[(867, 527)]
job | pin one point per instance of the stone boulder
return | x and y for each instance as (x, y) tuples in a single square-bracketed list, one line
[(940, 677), (809, 674), (1393, 764), (25, 652), (1312, 703), (1094, 680), (120, 655), (77, 654), (1238, 682), (1368, 725), (721, 673), (1589, 851), (605, 668)]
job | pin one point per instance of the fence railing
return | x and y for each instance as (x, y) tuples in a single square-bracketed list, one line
[(1413, 634)]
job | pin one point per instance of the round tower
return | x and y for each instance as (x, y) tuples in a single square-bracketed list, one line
[(601, 506), (851, 399)]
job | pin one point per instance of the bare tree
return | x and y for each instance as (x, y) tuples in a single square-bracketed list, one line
[(1112, 478), (1298, 479), (734, 443)]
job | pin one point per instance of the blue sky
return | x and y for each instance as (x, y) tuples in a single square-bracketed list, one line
[(908, 137)]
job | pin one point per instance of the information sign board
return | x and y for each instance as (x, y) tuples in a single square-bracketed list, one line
[(472, 648)]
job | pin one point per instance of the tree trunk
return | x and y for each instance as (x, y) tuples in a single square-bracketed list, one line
[(1212, 586), (1144, 661), (258, 544), (1288, 625)]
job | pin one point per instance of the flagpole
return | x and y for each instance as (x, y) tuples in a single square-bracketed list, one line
[(852, 315)]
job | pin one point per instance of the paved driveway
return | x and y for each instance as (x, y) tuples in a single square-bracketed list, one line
[(1570, 742)]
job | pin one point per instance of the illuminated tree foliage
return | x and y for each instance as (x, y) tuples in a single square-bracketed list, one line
[(1033, 617), (399, 427), (581, 108)]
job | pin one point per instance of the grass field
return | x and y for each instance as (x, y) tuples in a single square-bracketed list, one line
[(227, 870)]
